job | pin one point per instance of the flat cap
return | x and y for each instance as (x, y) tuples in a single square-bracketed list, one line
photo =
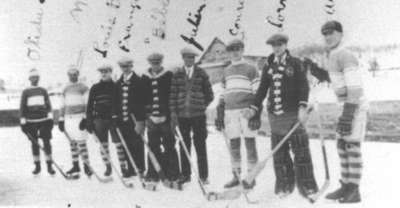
[(105, 67), (234, 45), (125, 61), (72, 69), (278, 39), (155, 57), (331, 26), (34, 72), (188, 51)]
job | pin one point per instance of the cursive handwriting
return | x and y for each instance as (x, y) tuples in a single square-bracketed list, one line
[(237, 27), (195, 22), (280, 19), (108, 32), (330, 7), (160, 18), (124, 42), (113, 4), (77, 9), (33, 41)]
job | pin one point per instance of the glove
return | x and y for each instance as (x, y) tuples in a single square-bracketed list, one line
[(345, 124), (139, 127), (23, 125), (82, 124), (50, 124), (158, 119), (255, 121), (61, 126), (303, 115), (89, 126), (219, 121)]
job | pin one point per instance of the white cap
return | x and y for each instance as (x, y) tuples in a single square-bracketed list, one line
[(33, 72), (72, 69)]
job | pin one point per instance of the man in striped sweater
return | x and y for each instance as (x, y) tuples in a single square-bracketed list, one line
[(37, 120), (157, 83), (190, 95), (346, 79), (241, 81), (73, 121)]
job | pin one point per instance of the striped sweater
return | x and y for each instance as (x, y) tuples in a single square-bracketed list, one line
[(74, 99), (189, 97), (240, 81)]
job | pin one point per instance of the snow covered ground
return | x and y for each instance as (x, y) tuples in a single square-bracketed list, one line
[(18, 186)]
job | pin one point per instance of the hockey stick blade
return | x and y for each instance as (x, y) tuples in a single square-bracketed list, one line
[(316, 196), (225, 195)]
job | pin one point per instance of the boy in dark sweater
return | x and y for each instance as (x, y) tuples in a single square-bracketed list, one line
[(37, 120), (157, 82), (190, 95), (101, 114)]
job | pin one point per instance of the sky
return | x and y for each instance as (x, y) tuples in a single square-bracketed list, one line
[(366, 22)]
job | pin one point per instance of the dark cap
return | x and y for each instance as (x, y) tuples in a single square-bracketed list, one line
[(331, 26), (278, 39), (155, 57), (188, 51), (235, 45)]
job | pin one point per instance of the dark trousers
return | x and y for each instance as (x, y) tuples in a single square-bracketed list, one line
[(40, 130), (135, 145), (300, 169), (197, 126), (162, 143)]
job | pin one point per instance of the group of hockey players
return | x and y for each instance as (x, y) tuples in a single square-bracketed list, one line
[(158, 103)]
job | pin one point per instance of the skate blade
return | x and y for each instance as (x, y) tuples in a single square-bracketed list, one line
[(173, 185), (150, 186)]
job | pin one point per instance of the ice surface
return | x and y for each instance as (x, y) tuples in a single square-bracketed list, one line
[(18, 187)]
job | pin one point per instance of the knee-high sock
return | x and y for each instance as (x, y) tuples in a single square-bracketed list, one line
[(353, 164), (83, 151), (121, 155), (252, 156), (236, 158), (105, 153), (74, 151), (35, 152), (47, 149)]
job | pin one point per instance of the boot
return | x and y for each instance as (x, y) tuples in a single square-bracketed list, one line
[(125, 173), (249, 185), (108, 171), (339, 193), (50, 169), (87, 170), (352, 195), (184, 179), (73, 173), (37, 168), (235, 181)]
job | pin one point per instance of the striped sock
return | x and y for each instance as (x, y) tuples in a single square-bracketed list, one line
[(343, 158), (105, 153), (355, 163), (121, 155), (83, 151), (74, 151)]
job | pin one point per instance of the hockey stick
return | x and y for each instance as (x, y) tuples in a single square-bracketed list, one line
[(144, 185), (169, 184), (201, 185), (325, 186), (227, 142), (124, 183), (102, 180), (52, 161)]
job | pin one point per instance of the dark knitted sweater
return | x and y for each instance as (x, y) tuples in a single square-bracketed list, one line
[(190, 97), (157, 92)]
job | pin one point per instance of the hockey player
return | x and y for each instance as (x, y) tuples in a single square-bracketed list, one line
[(73, 121), (241, 81), (157, 83), (130, 101), (190, 95), (101, 113), (286, 81), (37, 120), (345, 74)]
